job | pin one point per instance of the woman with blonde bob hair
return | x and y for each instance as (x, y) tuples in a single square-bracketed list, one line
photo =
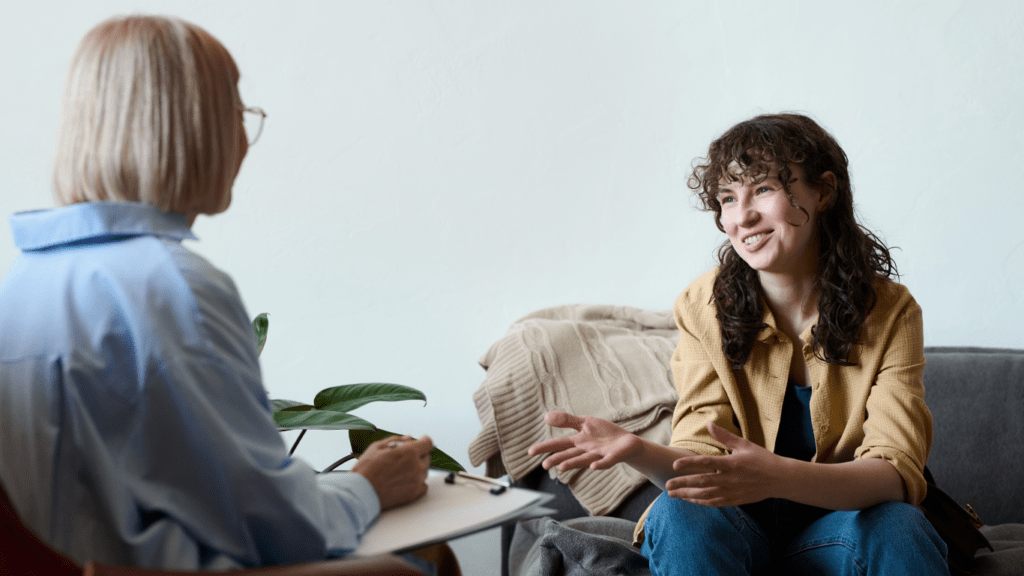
[(137, 429), (150, 114)]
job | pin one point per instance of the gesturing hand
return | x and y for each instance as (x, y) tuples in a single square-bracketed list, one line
[(745, 475), (598, 443), (397, 468)]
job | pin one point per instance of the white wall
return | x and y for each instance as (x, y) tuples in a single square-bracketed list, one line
[(431, 171)]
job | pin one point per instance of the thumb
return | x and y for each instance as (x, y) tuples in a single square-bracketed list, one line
[(424, 444), (730, 440), (563, 420)]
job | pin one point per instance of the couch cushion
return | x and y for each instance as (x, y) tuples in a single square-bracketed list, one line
[(588, 546), (1007, 557), (976, 396)]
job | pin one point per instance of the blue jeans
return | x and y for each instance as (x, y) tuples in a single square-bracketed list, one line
[(782, 537)]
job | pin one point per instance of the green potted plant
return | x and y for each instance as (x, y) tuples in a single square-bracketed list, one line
[(331, 406)]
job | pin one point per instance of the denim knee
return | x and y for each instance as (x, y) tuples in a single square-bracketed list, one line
[(889, 538), (686, 538), (905, 528)]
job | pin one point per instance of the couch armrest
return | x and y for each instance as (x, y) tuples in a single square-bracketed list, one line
[(976, 396)]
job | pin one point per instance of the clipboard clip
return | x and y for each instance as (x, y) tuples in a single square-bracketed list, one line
[(496, 489)]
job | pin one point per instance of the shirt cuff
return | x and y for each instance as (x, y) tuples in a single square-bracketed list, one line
[(913, 478), (362, 501)]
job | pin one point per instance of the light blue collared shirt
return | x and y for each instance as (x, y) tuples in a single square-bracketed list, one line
[(135, 426)]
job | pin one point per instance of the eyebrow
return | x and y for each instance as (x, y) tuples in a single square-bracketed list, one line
[(739, 180)]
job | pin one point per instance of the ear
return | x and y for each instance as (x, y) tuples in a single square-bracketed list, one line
[(827, 190)]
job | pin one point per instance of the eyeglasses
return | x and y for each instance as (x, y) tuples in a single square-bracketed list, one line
[(253, 117)]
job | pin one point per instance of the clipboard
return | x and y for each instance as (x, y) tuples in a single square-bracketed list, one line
[(464, 506)]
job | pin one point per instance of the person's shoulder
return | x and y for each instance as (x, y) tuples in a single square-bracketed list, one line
[(695, 307), (698, 295), (213, 290), (891, 295), (179, 298), (202, 277), (894, 306)]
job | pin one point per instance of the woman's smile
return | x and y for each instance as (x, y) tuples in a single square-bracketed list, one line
[(750, 241)]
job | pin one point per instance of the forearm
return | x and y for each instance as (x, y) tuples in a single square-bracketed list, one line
[(599, 444), (852, 485), (655, 461)]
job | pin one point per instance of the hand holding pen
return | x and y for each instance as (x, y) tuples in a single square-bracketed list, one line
[(397, 468)]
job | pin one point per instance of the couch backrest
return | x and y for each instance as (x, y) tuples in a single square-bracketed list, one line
[(976, 396)]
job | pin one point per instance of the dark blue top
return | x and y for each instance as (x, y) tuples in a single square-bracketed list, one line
[(796, 435)]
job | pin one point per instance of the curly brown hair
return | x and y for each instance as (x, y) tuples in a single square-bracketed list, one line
[(851, 258)]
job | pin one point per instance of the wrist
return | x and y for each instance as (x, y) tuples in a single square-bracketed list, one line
[(784, 477), (635, 449)]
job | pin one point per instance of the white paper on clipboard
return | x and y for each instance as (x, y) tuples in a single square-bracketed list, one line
[(448, 511)]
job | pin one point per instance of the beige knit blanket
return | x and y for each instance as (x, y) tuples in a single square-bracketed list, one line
[(606, 361)]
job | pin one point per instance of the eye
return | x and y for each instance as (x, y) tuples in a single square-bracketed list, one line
[(723, 200), (764, 189)]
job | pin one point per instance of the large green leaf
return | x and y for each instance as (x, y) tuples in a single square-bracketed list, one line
[(308, 417), (361, 439), (348, 397), (261, 324), (281, 404)]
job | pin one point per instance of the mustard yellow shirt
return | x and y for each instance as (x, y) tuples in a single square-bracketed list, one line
[(872, 409)]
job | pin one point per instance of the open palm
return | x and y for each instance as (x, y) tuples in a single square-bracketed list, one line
[(598, 444)]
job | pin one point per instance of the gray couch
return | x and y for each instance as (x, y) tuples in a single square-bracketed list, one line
[(976, 396)]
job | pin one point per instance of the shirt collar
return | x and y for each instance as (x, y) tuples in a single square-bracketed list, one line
[(95, 221), (768, 319), (772, 329)]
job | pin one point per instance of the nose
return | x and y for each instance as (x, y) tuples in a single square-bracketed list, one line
[(747, 216)]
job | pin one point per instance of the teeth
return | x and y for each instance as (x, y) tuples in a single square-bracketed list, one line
[(753, 239)]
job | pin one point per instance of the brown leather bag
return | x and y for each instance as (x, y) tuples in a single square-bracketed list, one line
[(958, 527)]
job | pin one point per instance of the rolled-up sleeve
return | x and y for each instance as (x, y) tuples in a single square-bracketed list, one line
[(898, 426), (702, 394)]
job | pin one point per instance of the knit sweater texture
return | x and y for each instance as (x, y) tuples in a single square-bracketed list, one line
[(611, 362)]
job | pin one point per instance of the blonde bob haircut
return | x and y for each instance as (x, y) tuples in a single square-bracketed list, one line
[(150, 113)]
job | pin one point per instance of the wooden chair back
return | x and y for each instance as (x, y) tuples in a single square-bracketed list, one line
[(22, 552)]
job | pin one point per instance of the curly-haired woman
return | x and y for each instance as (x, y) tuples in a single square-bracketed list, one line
[(801, 432)]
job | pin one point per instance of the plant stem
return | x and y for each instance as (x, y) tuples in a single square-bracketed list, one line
[(339, 463), (296, 445)]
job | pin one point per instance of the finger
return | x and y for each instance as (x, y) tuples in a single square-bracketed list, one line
[(714, 502), (424, 445), (695, 482), (606, 462), (552, 445), (421, 490), (408, 494), (699, 463), (696, 495), (383, 442), (559, 457), (697, 485), (582, 461), (392, 442), (728, 439), (603, 463), (563, 420)]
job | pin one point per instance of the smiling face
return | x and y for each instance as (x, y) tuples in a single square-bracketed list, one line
[(765, 228)]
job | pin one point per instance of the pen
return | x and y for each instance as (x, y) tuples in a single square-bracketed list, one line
[(498, 488)]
